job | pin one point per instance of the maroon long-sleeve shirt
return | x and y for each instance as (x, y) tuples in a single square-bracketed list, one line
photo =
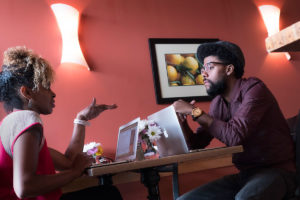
[(252, 119)]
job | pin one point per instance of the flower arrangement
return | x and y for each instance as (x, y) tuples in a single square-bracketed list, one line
[(149, 133), (93, 148)]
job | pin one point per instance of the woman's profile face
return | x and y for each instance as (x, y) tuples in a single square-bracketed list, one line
[(42, 101)]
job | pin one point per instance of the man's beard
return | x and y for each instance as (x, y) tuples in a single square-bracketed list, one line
[(216, 88)]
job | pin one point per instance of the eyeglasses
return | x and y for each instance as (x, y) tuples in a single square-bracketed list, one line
[(210, 66)]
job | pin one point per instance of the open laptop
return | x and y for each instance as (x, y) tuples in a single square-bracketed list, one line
[(127, 143), (175, 142)]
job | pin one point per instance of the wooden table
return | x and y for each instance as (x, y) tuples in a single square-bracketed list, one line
[(149, 169), (202, 154)]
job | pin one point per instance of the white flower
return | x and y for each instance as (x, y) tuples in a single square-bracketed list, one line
[(142, 124), (153, 133), (90, 145)]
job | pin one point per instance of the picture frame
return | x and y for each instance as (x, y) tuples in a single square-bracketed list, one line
[(175, 75)]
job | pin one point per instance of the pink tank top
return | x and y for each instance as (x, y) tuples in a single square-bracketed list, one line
[(45, 166)]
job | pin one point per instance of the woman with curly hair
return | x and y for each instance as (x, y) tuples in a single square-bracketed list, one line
[(27, 166)]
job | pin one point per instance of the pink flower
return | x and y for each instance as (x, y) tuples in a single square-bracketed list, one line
[(92, 151)]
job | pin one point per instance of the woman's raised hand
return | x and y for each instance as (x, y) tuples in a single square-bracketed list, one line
[(93, 110)]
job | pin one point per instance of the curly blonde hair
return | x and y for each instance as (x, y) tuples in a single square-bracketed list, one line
[(22, 67), (20, 59)]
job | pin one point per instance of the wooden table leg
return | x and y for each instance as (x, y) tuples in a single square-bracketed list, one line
[(105, 179), (150, 178)]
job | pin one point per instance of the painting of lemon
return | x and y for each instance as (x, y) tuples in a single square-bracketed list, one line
[(174, 59), (183, 69), (199, 80), (187, 80), (172, 73), (191, 63)]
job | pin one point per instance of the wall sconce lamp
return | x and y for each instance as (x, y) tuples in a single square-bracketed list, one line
[(68, 20), (270, 15)]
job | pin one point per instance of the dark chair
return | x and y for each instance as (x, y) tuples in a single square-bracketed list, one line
[(294, 124)]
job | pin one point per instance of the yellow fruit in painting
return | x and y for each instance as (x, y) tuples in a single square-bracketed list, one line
[(174, 84), (199, 80), (187, 80), (174, 59), (172, 73), (191, 63)]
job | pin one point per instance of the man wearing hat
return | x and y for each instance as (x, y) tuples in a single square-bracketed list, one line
[(243, 112)]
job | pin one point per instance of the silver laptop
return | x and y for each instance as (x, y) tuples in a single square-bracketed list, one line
[(127, 141), (127, 144), (174, 143)]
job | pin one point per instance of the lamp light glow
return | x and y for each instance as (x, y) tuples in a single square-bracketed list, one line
[(68, 20), (270, 15)]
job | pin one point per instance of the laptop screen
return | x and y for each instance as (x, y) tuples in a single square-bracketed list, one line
[(127, 141), (174, 143)]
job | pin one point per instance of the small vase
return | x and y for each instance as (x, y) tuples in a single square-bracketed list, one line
[(146, 149), (150, 151)]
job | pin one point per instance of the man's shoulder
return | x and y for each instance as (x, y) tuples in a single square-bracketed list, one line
[(254, 88), (251, 81)]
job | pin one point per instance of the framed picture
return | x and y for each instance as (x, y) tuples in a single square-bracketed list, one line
[(176, 70)]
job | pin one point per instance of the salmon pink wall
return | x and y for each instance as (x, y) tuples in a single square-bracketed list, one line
[(114, 37)]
